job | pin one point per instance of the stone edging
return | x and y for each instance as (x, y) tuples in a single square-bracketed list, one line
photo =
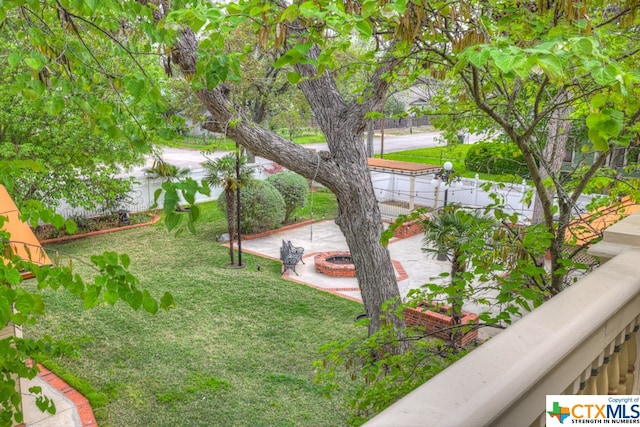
[(99, 232), (87, 419), (277, 230)]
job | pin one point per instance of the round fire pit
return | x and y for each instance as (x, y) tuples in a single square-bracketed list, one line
[(336, 264)]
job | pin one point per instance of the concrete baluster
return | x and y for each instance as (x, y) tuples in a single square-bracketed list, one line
[(591, 382), (602, 380), (573, 388), (623, 361), (632, 355), (584, 378), (613, 370)]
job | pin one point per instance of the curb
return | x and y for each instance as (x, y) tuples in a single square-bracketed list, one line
[(63, 239), (277, 230), (87, 419)]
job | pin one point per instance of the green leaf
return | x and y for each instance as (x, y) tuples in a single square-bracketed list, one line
[(135, 300), (91, 296), (479, 58), (290, 13), (599, 100), (172, 220), (584, 46), (55, 105), (24, 303), (551, 66), (125, 260), (504, 62), (167, 302), (604, 75), (303, 48), (111, 258), (285, 59), (194, 213), (12, 276), (92, 4), (364, 28), (148, 303), (293, 77), (36, 61), (15, 58), (110, 297), (309, 9), (599, 141), (5, 310), (368, 8)]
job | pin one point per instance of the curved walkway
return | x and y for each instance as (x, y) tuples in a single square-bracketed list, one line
[(72, 408)]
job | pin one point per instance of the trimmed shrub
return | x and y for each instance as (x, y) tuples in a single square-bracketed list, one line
[(261, 207), (496, 158), (294, 190)]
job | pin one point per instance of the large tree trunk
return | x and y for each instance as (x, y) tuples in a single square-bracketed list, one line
[(553, 153), (343, 170)]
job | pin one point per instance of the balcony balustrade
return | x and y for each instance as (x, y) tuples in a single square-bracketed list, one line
[(583, 341)]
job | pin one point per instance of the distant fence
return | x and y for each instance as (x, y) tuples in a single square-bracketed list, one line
[(140, 198), (393, 192), (394, 195)]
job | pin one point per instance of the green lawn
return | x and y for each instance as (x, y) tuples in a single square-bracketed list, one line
[(434, 156), (237, 350), (307, 136), (438, 155)]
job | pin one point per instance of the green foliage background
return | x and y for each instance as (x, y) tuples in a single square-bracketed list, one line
[(262, 207), (496, 158), (293, 188)]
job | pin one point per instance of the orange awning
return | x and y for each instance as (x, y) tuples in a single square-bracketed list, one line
[(22, 241)]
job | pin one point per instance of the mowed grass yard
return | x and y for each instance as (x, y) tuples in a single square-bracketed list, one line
[(236, 351)]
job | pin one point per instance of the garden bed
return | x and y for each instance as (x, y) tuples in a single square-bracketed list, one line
[(47, 233), (437, 322)]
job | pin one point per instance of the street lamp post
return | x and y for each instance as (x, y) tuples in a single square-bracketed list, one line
[(442, 179)]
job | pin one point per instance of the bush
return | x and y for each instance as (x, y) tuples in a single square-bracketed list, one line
[(261, 207), (496, 158), (293, 188)]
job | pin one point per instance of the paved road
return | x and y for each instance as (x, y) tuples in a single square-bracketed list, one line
[(189, 158)]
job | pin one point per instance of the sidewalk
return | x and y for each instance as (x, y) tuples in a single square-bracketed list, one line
[(414, 267), (72, 408)]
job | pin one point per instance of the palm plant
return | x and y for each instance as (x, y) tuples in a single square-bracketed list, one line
[(453, 233), (223, 172), (167, 172)]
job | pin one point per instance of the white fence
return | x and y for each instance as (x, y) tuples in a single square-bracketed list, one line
[(140, 198), (393, 192)]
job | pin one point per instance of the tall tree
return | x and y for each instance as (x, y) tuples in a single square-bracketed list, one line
[(515, 71), (529, 69), (296, 32), (47, 134)]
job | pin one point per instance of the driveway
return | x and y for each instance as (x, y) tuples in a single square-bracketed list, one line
[(193, 159)]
